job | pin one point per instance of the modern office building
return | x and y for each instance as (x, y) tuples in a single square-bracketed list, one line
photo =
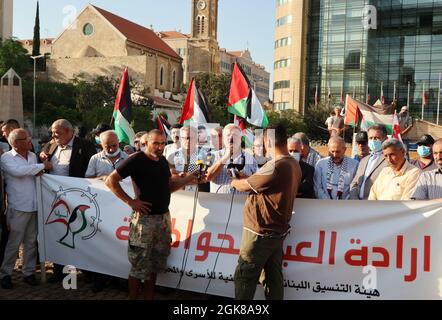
[(394, 45)]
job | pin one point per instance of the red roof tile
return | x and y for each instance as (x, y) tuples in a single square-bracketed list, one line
[(138, 34), (173, 35)]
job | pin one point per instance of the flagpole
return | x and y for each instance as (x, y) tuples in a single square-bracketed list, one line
[(366, 95), (394, 92), (382, 92), (423, 99), (438, 98), (354, 92), (408, 97)]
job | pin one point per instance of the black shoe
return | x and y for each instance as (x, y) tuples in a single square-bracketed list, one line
[(31, 280), (55, 279), (7, 282)]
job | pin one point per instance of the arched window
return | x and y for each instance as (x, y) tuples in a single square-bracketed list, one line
[(161, 76), (203, 18), (174, 79), (199, 24)]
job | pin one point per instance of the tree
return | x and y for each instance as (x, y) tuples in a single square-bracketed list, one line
[(36, 41), (315, 116), (292, 120), (13, 55)]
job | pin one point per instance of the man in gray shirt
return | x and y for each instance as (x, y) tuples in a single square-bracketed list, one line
[(429, 185)]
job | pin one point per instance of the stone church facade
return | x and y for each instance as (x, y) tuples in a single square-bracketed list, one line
[(99, 43)]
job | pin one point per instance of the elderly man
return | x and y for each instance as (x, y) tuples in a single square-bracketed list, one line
[(425, 162), (175, 145), (334, 174), (20, 169), (103, 163), (370, 167), (306, 188), (429, 185), (150, 229), (397, 181), (308, 154), (219, 173), (70, 157), (184, 161)]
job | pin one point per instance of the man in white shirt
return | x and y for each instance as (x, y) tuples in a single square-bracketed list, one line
[(173, 147), (218, 174), (20, 169)]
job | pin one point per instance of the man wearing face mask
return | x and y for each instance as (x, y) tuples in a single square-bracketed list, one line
[(429, 185), (370, 166), (306, 188), (406, 124), (425, 162), (103, 163)]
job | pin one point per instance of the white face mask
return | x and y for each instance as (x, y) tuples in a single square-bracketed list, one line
[(111, 155), (296, 156), (143, 149)]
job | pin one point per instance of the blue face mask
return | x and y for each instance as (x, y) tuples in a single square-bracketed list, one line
[(423, 151), (97, 140), (375, 145)]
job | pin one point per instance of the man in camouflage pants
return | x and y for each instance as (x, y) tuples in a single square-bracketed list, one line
[(150, 229)]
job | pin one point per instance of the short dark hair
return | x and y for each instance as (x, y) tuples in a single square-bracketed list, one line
[(176, 126), (201, 127), (379, 127), (12, 123), (280, 134), (155, 132)]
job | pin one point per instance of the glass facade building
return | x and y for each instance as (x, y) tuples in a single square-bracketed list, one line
[(402, 50)]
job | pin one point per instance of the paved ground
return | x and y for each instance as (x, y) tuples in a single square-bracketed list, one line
[(48, 291)]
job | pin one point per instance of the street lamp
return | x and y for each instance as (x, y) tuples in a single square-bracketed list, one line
[(35, 76)]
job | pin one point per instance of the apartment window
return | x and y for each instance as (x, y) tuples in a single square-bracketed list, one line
[(284, 20), (282, 105), (281, 84), (174, 79), (283, 42), (283, 63)]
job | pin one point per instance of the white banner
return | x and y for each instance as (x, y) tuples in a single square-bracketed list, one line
[(336, 250)]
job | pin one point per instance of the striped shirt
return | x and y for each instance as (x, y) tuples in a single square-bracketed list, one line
[(429, 186), (313, 157)]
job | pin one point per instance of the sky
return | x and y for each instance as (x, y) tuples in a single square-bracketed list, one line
[(241, 23)]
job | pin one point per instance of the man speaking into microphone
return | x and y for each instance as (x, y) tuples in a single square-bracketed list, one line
[(267, 215), (231, 160)]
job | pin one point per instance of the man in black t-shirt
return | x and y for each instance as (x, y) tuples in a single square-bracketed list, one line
[(150, 228)]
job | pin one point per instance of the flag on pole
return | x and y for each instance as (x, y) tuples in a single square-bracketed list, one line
[(163, 125), (394, 92), (329, 94), (352, 112), (195, 108), (342, 94), (382, 93), (316, 95), (396, 127), (424, 97), (122, 115), (247, 134), (243, 101), (367, 101)]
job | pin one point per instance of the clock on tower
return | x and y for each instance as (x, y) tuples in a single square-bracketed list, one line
[(205, 19)]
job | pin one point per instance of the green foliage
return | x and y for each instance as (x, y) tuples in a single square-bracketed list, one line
[(36, 41), (292, 120), (13, 55), (315, 117)]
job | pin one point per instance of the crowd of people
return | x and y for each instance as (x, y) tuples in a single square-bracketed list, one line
[(272, 173)]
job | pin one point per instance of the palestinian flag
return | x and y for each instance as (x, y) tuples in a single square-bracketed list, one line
[(396, 127), (243, 101), (367, 115), (122, 115), (247, 134), (163, 125), (195, 107)]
